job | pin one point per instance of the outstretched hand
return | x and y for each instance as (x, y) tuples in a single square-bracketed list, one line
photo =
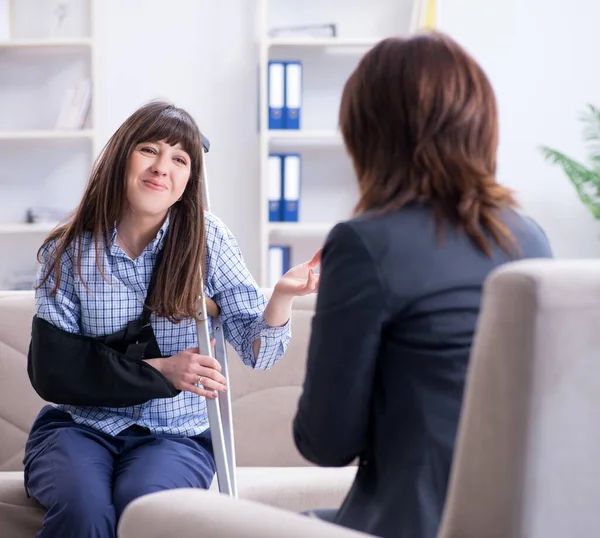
[(300, 279)]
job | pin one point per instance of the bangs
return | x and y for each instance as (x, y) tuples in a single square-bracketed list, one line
[(174, 127)]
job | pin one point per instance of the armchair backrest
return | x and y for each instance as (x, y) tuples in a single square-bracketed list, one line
[(526, 461)]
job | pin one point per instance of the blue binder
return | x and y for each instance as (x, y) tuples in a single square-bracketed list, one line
[(276, 94), (275, 187), (279, 263), (293, 94), (292, 178)]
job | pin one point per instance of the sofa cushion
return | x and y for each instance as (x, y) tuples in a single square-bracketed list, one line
[(19, 403), (263, 402), (270, 470), (295, 489), (20, 517)]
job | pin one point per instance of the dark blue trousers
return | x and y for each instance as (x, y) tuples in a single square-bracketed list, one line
[(85, 478)]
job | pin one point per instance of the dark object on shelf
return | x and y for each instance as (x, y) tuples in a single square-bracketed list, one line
[(43, 214), (23, 280), (311, 30)]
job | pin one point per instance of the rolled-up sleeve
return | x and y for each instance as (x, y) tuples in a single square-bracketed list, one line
[(242, 302)]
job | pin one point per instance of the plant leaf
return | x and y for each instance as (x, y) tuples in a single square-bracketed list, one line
[(591, 119), (585, 181)]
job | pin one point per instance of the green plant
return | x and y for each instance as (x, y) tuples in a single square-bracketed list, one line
[(585, 180)]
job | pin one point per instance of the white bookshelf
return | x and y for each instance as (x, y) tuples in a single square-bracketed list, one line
[(328, 185), (47, 61)]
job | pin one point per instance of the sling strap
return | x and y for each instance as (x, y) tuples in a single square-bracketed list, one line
[(137, 340), (107, 371)]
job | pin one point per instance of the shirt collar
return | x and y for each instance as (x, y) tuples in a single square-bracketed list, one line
[(157, 243), (154, 246)]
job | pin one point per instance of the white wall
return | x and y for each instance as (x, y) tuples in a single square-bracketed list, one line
[(541, 56), (201, 55)]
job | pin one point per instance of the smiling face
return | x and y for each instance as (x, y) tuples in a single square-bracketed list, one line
[(157, 175)]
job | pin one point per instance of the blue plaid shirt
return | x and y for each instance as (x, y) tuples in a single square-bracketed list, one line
[(106, 307)]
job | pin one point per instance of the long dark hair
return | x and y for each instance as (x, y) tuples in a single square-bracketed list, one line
[(418, 118), (178, 283)]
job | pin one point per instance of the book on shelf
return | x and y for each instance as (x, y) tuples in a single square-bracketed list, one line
[(285, 94), (284, 180), (75, 105)]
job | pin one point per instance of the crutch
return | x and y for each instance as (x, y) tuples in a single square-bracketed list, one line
[(219, 410)]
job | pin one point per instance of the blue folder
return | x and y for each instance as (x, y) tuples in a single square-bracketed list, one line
[(276, 94), (292, 179), (293, 94)]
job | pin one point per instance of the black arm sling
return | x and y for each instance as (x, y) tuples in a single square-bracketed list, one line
[(106, 371)]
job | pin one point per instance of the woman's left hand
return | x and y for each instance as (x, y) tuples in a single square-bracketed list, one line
[(301, 279)]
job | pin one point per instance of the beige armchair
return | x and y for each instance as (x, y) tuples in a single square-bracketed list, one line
[(526, 463), (189, 513)]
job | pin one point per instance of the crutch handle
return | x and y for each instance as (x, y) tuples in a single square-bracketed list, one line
[(205, 143), (211, 308)]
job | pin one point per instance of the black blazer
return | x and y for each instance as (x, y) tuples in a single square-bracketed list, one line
[(395, 317)]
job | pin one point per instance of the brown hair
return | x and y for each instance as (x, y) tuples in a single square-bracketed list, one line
[(418, 118), (178, 284)]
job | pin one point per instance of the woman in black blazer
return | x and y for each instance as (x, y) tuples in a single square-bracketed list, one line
[(401, 282)]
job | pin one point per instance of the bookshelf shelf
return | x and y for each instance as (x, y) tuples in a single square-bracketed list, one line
[(290, 134), (47, 134), (282, 230), (321, 42), (303, 138), (45, 43), (25, 228)]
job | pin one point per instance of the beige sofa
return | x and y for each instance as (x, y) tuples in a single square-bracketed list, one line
[(270, 470), (527, 463)]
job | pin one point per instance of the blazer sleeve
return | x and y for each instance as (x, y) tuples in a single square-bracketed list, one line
[(332, 419)]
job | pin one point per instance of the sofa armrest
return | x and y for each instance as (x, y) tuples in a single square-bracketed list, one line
[(196, 513)]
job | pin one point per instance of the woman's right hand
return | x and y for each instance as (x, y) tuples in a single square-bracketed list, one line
[(188, 369)]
